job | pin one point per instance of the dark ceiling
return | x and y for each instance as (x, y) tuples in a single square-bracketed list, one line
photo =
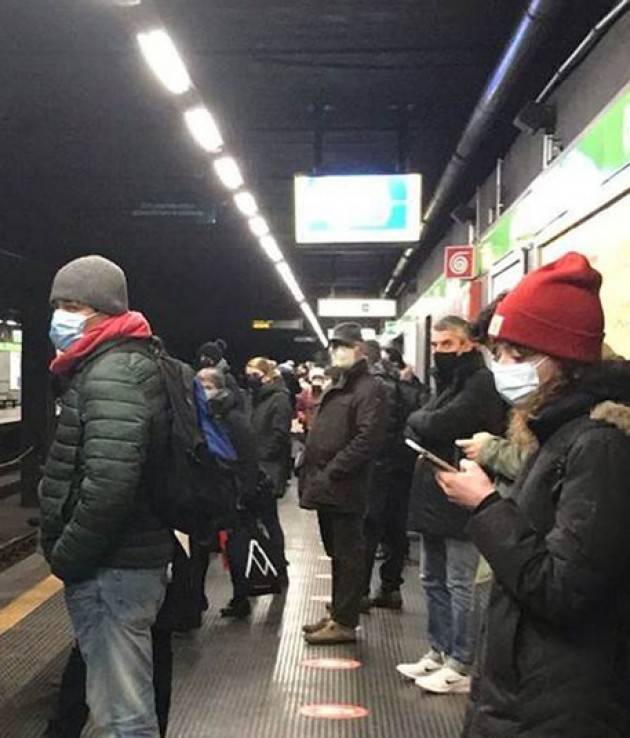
[(92, 148)]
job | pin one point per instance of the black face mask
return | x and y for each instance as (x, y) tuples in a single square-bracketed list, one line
[(446, 364)]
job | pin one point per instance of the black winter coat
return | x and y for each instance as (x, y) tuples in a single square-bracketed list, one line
[(225, 410), (467, 405), (348, 432), (555, 660), (95, 495), (271, 421)]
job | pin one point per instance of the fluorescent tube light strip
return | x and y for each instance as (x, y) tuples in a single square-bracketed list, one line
[(162, 57), (290, 281), (258, 226), (246, 203), (228, 172), (270, 247), (203, 129)]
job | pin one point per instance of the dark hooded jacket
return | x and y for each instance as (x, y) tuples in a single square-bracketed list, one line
[(348, 432), (271, 420), (233, 421), (555, 658), (467, 404)]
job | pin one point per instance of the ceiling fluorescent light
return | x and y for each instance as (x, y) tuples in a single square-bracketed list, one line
[(203, 128), (271, 248), (228, 172), (161, 55), (287, 275), (310, 315), (246, 203), (258, 226)]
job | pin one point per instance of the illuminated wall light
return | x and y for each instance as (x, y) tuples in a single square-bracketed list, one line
[(228, 172), (203, 129), (287, 275), (246, 203), (258, 226), (271, 248), (161, 55)]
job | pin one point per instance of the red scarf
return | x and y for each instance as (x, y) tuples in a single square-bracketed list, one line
[(126, 325)]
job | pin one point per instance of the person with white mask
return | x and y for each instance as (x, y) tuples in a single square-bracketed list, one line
[(347, 434)]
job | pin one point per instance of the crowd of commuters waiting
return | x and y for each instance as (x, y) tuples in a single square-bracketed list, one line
[(530, 417)]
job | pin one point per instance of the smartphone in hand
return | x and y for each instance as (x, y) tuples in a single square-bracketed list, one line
[(426, 455)]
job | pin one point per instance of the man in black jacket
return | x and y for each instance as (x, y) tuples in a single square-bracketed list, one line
[(388, 505), (466, 402), (348, 431)]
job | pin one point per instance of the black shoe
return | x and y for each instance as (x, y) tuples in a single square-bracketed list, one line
[(238, 609), (388, 600)]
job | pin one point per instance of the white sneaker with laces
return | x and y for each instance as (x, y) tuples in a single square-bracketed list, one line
[(428, 664), (445, 681)]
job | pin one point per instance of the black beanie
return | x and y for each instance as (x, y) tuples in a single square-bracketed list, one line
[(212, 352)]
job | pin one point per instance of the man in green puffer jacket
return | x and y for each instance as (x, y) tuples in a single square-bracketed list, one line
[(99, 531)]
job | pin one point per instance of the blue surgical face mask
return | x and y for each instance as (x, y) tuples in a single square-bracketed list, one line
[(517, 382), (66, 328)]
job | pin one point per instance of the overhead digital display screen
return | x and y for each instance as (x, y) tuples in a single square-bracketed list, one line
[(365, 208)]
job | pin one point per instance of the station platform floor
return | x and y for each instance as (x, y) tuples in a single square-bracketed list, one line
[(243, 679)]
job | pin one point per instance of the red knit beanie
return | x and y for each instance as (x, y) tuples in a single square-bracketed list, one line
[(555, 310)]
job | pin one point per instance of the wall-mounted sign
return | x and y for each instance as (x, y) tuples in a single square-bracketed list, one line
[(459, 262), (354, 308), (278, 325), (364, 208)]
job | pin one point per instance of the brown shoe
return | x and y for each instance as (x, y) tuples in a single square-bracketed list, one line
[(314, 627), (331, 633)]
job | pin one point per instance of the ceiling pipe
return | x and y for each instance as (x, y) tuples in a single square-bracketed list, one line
[(527, 37)]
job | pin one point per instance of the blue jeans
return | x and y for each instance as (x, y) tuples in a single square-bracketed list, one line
[(112, 615), (448, 571)]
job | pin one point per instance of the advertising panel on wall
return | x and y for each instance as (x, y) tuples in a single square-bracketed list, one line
[(605, 240), (361, 208)]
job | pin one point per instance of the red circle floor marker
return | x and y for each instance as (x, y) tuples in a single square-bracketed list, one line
[(334, 712), (332, 664)]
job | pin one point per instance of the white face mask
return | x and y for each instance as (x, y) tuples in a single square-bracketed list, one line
[(517, 382), (343, 357)]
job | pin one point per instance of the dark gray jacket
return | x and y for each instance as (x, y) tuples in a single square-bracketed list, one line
[(95, 499), (271, 421)]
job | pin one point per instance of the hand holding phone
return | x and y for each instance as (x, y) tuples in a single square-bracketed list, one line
[(436, 462)]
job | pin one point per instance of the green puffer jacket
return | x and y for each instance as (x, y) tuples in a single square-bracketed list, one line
[(94, 496)]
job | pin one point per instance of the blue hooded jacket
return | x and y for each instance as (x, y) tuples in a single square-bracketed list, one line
[(217, 439)]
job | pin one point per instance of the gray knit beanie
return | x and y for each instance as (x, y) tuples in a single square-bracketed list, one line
[(94, 280)]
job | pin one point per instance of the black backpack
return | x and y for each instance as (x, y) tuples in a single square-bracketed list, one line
[(191, 490)]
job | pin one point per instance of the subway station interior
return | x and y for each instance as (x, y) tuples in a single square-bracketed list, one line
[(263, 170)]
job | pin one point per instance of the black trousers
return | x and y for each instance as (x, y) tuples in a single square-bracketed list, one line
[(343, 539), (386, 523), (71, 712)]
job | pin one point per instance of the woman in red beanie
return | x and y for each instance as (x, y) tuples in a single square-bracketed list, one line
[(555, 658)]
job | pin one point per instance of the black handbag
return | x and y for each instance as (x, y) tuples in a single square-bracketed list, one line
[(260, 572)]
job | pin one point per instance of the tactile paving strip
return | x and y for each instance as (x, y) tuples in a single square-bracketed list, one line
[(236, 679)]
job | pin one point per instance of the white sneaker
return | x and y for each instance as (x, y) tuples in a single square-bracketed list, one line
[(445, 681), (428, 664)]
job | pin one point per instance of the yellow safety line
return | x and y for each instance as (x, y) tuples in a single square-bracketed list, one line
[(28, 602)]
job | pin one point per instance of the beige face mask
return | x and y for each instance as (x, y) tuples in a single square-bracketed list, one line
[(343, 357)]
